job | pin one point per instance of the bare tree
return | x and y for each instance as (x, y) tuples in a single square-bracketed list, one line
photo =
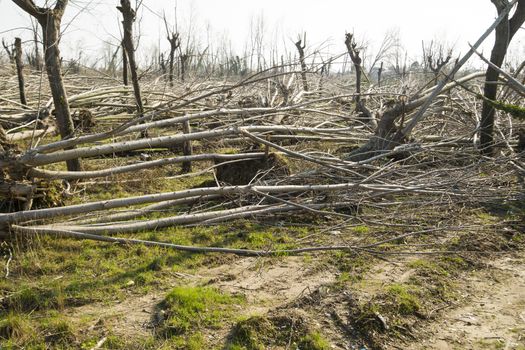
[(301, 45), (174, 40), (390, 42), (436, 58), (20, 70), (379, 73), (37, 58), (50, 20), (354, 53), (9, 50), (504, 33), (128, 15)]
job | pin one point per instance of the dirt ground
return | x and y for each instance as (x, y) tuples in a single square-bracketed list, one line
[(489, 313)]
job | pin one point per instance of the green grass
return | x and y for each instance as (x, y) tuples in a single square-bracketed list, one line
[(263, 332), (190, 310), (193, 308), (404, 297), (313, 341)]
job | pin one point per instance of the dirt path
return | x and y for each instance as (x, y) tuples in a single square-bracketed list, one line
[(269, 283), (491, 314)]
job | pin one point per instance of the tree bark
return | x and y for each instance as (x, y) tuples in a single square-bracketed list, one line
[(20, 70), (504, 33)]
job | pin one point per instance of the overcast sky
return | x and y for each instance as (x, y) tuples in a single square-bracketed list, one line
[(456, 22)]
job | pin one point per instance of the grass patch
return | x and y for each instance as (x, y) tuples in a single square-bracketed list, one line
[(263, 332), (404, 298), (191, 309)]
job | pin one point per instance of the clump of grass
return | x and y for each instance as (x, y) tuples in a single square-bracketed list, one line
[(56, 330), (313, 341), (189, 309), (352, 266), (19, 330), (404, 298), (30, 299), (362, 229), (427, 267), (261, 332), (252, 334), (15, 330)]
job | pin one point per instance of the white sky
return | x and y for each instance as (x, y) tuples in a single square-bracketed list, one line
[(453, 21)]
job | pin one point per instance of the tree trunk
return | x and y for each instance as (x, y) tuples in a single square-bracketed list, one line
[(300, 47), (38, 58), (51, 29), (128, 15), (183, 59), (187, 148), (379, 72), (365, 114), (174, 45), (172, 58), (504, 33), (124, 66), (20, 70)]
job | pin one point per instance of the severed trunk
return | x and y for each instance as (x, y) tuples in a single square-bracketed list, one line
[(300, 48), (20, 70), (183, 62)]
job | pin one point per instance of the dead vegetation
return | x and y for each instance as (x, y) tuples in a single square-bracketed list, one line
[(288, 208)]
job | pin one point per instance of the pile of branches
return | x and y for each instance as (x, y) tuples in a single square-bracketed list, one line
[(328, 151)]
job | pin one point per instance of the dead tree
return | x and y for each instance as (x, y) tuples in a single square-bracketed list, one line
[(379, 73), (388, 135), (124, 65), (301, 45), (50, 20), (174, 40), (37, 60), (128, 15), (504, 33), (162, 64), (174, 45), (10, 51), (353, 51), (20, 70), (436, 59), (183, 64)]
